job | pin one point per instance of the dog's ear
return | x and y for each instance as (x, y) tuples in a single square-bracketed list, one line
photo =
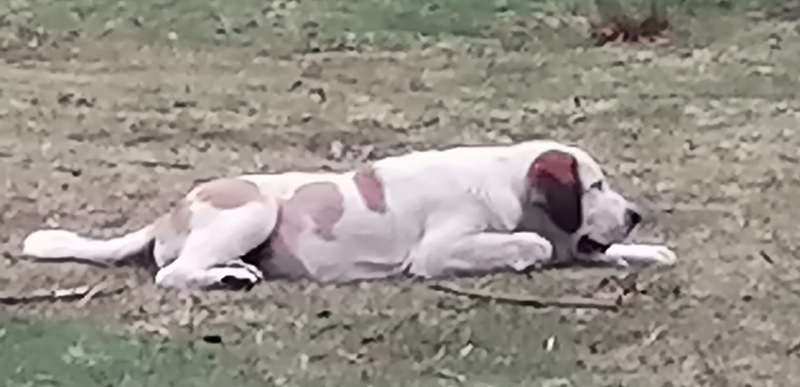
[(554, 182)]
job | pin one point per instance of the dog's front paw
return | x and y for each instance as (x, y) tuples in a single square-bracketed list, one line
[(642, 255), (531, 252)]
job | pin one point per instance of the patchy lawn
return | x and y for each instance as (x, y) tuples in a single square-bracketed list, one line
[(111, 110)]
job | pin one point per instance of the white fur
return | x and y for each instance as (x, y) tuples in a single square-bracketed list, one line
[(211, 251), (456, 211)]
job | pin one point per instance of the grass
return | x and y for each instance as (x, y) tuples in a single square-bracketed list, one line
[(77, 353), (305, 24)]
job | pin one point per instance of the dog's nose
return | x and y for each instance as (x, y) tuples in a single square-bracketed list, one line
[(632, 217)]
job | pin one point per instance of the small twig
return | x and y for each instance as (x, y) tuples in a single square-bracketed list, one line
[(522, 300), (153, 164), (94, 292), (82, 293), (766, 257), (793, 348)]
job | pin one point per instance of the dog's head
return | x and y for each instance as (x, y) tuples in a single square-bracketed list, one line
[(569, 186)]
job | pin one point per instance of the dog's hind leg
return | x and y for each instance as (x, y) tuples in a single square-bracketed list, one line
[(211, 255), (200, 244)]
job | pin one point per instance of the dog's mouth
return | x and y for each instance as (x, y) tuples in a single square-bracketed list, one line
[(587, 245)]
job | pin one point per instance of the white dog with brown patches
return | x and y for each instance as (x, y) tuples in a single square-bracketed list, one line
[(461, 211)]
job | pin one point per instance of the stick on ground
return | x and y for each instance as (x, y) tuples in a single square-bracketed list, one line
[(523, 300), (83, 293)]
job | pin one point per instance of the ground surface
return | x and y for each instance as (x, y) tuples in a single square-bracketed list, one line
[(101, 132)]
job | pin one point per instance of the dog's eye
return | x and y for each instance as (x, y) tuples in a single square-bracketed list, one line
[(598, 185)]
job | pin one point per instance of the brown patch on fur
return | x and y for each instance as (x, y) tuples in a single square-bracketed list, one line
[(227, 194), (323, 203), (554, 174), (370, 187), (223, 194), (177, 221)]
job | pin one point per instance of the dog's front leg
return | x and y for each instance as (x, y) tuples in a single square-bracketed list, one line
[(638, 255), (478, 253)]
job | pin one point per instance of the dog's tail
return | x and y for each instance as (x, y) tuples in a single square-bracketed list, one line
[(66, 245)]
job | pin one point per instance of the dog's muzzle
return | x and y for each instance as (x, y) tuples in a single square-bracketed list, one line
[(588, 245)]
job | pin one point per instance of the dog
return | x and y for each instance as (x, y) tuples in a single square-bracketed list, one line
[(460, 211)]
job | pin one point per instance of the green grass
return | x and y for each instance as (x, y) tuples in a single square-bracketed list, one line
[(74, 353), (302, 25), (79, 354)]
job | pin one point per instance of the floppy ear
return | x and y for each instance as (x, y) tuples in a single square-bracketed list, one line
[(553, 177)]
